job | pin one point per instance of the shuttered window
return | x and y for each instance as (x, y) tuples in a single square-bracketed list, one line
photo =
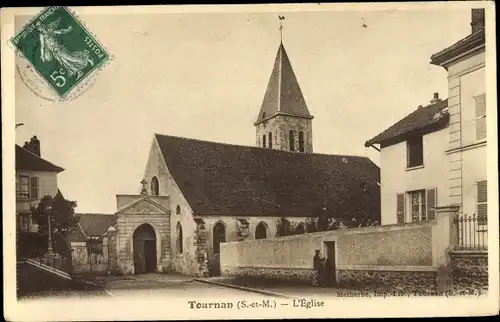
[(418, 206), (482, 206), (270, 139), (431, 195), (400, 208), (22, 187), (480, 106), (34, 187)]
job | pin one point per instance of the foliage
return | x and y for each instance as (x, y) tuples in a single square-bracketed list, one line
[(61, 212), (283, 227), (62, 219)]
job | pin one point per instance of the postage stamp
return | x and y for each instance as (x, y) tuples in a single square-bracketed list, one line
[(60, 49)]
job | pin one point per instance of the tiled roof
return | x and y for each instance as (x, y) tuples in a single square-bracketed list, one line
[(283, 93), (95, 224), (468, 43), (218, 178), (419, 119), (77, 235), (25, 160)]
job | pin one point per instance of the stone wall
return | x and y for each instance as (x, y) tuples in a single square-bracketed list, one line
[(280, 126), (395, 245), (389, 280), (407, 257), (469, 270)]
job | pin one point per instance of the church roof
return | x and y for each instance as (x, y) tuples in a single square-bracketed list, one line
[(283, 93), (25, 160), (224, 179)]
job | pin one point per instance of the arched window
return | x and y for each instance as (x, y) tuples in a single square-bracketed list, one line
[(301, 141), (219, 236), (155, 186), (179, 238), (261, 231), (300, 229), (291, 139), (264, 141), (270, 140), (178, 210)]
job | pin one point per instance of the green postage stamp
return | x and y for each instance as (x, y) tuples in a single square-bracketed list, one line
[(62, 51)]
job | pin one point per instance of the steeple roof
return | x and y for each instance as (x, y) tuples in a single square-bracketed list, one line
[(283, 94)]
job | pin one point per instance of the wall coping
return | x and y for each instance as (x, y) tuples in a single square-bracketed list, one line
[(386, 268), (467, 252), (280, 266), (449, 208), (349, 231)]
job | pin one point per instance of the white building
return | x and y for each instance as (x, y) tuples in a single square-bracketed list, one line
[(35, 178), (436, 156)]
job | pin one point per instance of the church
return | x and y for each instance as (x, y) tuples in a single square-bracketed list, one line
[(197, 194)]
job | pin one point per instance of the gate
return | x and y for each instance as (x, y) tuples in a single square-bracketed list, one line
[(93, 257)]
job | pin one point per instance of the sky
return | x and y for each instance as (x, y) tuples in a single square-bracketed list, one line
[(204, 75)]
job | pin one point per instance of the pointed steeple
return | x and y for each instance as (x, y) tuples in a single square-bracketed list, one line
[(283, 94)]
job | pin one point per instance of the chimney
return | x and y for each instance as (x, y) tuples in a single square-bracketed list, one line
[(33, 146), (477, 20), (435, 99)]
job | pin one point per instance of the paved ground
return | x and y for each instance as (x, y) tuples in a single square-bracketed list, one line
[(150, 285)]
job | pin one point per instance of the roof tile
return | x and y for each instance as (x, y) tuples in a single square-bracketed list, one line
[(218, 178)]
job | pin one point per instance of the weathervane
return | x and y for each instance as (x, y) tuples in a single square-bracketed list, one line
[(281, 27)]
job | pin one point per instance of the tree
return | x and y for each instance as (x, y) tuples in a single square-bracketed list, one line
[(283, 227), (62, 218)]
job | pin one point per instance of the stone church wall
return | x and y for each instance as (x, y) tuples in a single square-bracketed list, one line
[(185, 261), (280, 126), (188, 261)]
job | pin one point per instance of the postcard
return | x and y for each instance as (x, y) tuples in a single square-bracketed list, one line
[(250, 161)]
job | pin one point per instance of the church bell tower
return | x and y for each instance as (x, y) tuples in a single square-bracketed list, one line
[(284, 122)]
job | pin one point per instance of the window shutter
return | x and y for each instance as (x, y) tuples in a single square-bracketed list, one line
[(400, 208), (34, 187), (482, 194), (431, 202), (480, 106), (482, 206), (480, 128)]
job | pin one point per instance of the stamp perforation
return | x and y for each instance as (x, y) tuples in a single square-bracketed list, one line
[(87, 80)]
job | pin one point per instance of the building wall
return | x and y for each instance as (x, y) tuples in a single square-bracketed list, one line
[(466, 155), (186, 261), (140, 212), (280, 127), (396, 178), (47, 183), (181, 262)]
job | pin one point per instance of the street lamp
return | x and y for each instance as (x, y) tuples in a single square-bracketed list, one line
[(49, 249)]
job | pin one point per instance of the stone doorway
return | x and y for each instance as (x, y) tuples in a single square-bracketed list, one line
[(145, 249)]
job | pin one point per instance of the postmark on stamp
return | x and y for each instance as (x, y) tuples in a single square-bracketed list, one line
[(60, 49)]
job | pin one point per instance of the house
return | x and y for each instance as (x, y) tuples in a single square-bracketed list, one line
[(197, 194), (436, 156), (35, 178)]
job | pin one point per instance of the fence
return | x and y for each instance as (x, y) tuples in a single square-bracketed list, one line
[(90, 257), (472, 232)]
